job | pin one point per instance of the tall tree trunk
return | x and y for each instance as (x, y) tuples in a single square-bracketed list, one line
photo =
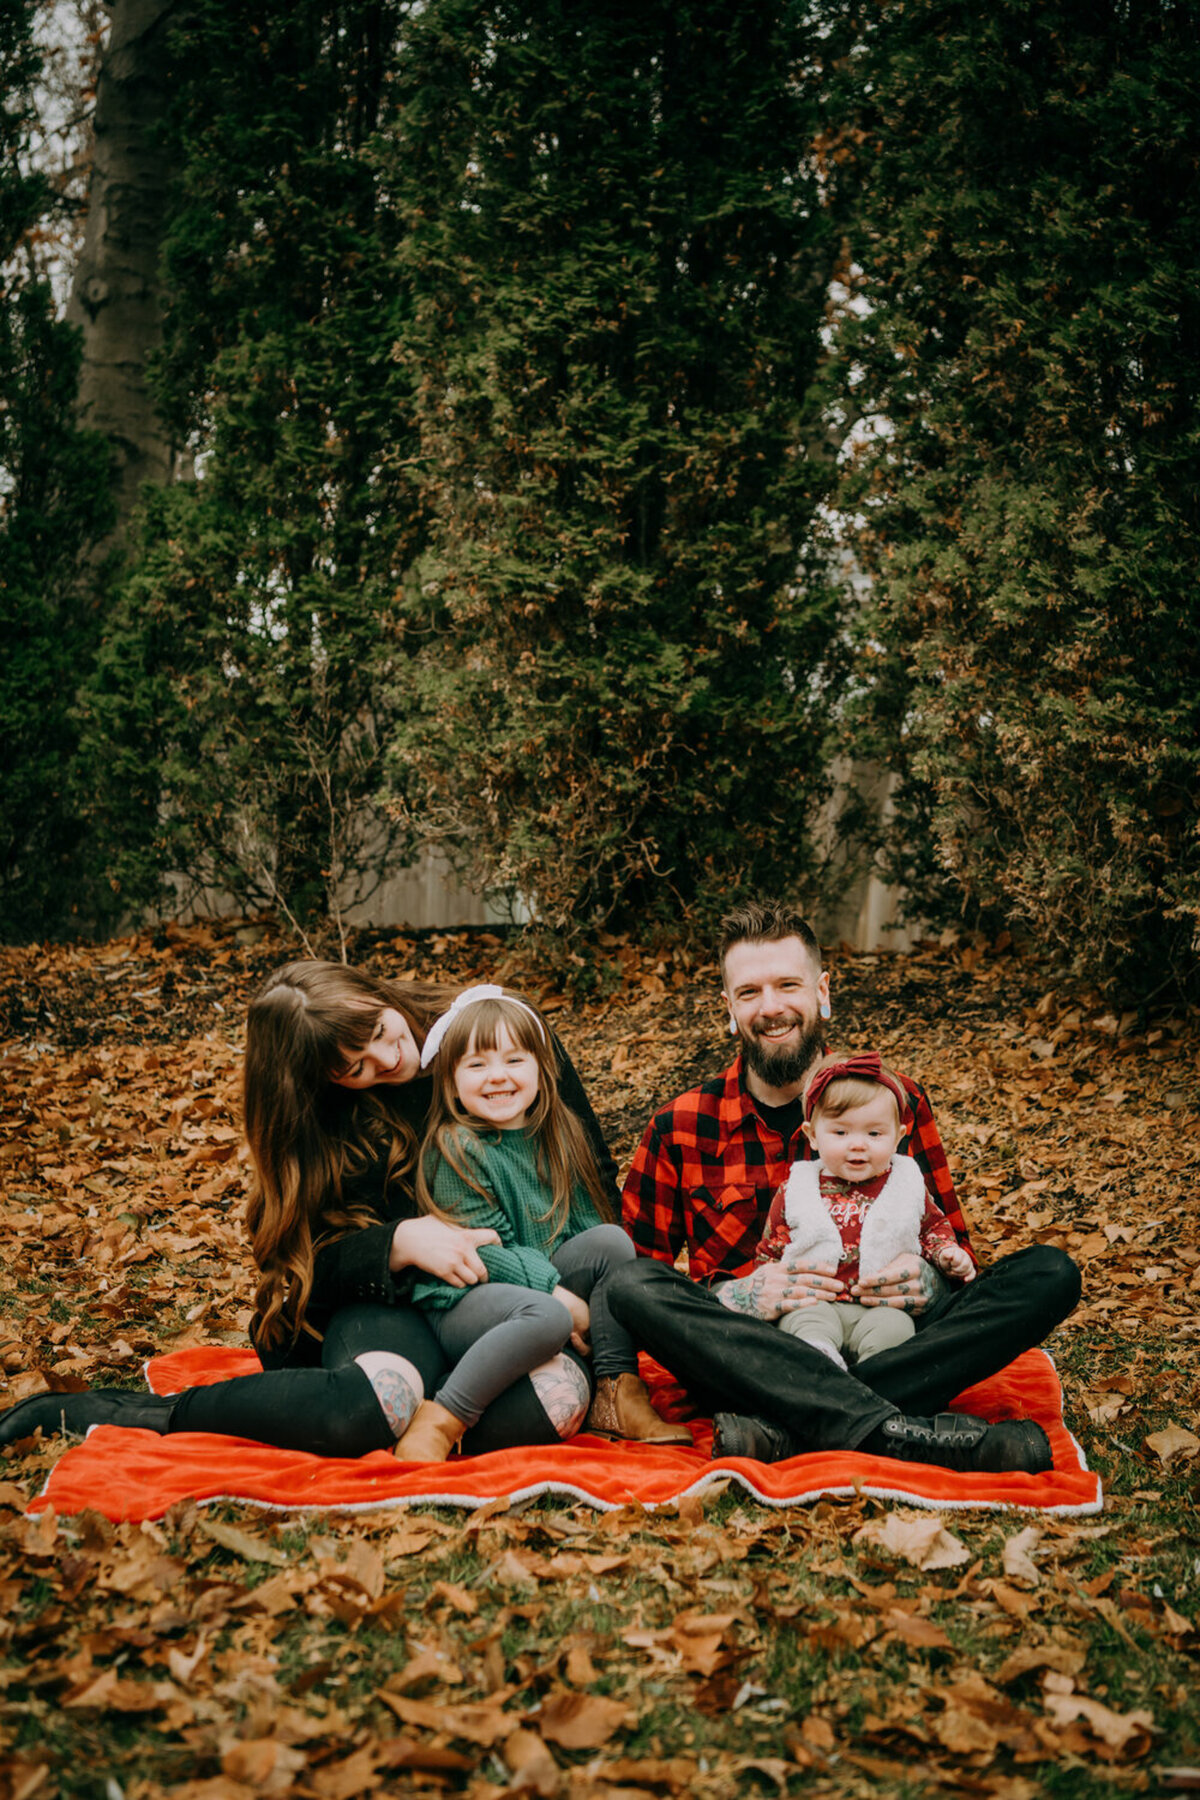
[(115, 296)]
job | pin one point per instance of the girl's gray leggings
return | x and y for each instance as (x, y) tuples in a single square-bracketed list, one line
[(498, 1332)]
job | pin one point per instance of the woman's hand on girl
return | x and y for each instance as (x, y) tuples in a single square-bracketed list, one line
[(581, 1318), (449, 1252)]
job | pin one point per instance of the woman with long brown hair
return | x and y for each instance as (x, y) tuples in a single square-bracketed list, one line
[(335, 1109)]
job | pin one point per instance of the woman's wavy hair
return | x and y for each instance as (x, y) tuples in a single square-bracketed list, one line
[(565, 1158), (306, 1135)]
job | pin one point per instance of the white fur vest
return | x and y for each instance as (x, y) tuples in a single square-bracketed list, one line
[(891, 1228)]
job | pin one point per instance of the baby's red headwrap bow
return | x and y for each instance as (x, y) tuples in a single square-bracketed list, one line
[(868, 1066)]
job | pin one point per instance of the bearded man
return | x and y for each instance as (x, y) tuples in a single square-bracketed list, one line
[(702, 1181)]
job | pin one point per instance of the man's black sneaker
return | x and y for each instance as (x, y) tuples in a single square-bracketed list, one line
[(961, 1441), (77, 1413), (744, 1434)]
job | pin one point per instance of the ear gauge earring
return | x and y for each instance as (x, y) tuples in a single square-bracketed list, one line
[(733, 1027), (826, 1010)]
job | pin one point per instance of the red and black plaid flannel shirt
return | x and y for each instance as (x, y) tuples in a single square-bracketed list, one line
[(708, 1167)]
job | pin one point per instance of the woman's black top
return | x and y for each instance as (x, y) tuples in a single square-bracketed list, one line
[(354, 1269)]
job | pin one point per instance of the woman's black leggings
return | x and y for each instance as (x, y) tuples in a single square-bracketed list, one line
[(333, 1411)]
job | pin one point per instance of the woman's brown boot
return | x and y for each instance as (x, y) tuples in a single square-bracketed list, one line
[(431, 1436), (622, 1409)]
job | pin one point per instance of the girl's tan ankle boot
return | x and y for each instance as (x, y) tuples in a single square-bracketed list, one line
[(431, 1436)]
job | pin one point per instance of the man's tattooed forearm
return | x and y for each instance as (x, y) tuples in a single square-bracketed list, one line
[(746, 1295), (740, 1296)]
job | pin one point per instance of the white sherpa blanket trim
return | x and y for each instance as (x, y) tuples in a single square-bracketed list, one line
[(891, 1228)]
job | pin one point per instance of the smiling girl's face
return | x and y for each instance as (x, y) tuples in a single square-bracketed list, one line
[(497, 1086), (389, 1059)]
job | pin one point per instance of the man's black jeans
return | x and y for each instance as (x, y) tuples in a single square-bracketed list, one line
[(732, 1363)]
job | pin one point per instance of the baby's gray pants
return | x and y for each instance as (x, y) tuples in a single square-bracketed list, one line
[(857, 1331)]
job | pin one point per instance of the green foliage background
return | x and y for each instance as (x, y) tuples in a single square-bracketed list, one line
[(244, 687), (53, 506), (622, 639), (1028, 228), (515, 346)]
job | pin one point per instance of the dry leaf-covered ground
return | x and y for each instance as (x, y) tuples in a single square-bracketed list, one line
[(843, 1649)]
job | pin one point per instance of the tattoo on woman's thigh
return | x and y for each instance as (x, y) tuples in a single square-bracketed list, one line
[(396, 1399), (562, 1388)]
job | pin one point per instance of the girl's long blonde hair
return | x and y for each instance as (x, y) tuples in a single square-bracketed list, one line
[(306, 1135), (565, 1158)]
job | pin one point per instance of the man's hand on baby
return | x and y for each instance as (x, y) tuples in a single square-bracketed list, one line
[(781, 1287), (907, 1283)]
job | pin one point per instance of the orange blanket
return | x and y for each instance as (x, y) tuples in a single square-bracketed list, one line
[(136, 1475)]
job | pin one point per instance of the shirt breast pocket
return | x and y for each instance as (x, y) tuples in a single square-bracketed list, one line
[(731, 1200)]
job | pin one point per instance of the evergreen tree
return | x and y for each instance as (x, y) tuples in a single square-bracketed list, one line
[(53, 505), (242, 692), (1029, 236), (115, 297), (618, 250)]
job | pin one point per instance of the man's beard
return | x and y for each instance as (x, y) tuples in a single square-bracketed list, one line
[(783, 1068)]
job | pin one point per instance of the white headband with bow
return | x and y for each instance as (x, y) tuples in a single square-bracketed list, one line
[(485, 991)]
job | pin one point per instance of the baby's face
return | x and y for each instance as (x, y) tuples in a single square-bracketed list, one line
[(860, 1143)]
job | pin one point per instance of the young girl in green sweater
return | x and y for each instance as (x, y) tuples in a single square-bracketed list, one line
[(503, 1152)]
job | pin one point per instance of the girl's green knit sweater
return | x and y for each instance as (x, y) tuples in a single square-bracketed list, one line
[(505, 1164)]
